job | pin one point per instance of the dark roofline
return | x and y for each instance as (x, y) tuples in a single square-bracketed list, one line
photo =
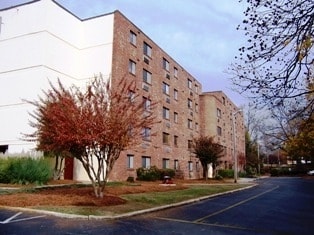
[(22, 4), (77, 17), (59, 5), (105, 14)]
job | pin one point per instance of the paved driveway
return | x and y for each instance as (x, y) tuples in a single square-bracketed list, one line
[(275, 206)]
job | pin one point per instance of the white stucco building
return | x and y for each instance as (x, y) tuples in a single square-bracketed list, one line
[(39, 42)]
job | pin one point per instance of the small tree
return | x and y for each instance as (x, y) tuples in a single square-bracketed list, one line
[(207, 151), (93, 126)]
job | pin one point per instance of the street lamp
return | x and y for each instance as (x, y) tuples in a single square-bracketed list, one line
[(234, 146)]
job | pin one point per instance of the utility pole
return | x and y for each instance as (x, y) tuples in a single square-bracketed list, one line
[(234, 146)]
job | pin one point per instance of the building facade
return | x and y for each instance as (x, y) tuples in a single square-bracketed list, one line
[(223, 120), (35, 52)]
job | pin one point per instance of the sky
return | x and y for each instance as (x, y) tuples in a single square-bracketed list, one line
[(200, 35)]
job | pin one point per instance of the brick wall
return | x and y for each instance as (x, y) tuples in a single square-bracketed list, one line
[(179, 80)]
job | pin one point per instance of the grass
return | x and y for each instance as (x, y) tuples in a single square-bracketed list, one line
[(143, 201)]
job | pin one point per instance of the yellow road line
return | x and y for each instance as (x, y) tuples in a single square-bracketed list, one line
[(234, 205), (206, 224)]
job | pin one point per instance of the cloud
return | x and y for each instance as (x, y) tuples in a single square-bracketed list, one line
[(200, 35)]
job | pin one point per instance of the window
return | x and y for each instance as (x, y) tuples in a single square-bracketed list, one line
[(130, 161), (196, 126), (165, 113), (147, 49), (175, 94), (165, 163), (165, 138), (190, 166), (190, 144), (132, 67), (218, 112), (132, 38), (146, 104), (223, 100), (176, 164), (196, 89), (196, 108), (147, 76), (175, 140), (145, 162), (219, 131), (165, 64), (146, 133), (131, 96), (175, 71), (175, 117), (165, 88), (190, 104), (189, 84), (197, 166), (190, 124)]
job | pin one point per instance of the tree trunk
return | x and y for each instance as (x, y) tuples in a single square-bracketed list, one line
[(205, 171), (58, 169)]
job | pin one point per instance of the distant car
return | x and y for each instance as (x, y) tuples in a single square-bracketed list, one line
[(310, 172)]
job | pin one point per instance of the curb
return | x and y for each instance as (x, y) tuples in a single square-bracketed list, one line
[(125, 215)]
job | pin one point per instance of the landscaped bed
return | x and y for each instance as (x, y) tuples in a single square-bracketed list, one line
[(119, 197)]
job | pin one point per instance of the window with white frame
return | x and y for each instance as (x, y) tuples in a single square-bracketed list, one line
[(165, 64), (218, 113), (190, 124), (132, 38), (131, 96), (175, 94), (190, 166), (132, 67), (147, 76), (147, 50), (176, 164), (130, 161), (190, 104), (175, 72), (189, 84), (146, 162), (165, 88), (165, 113), (146, 104), (146, 133), (175, 117)]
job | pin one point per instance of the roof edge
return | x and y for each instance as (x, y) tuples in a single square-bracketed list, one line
[(18, 5)]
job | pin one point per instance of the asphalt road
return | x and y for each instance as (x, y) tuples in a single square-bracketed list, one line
[(279, 206)]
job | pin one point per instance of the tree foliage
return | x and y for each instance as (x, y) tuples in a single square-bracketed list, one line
[(276, 63), (300, 146), (251, 151), (93, 125), (207, 151)]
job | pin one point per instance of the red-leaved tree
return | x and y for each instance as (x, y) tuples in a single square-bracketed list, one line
[(93, 125)]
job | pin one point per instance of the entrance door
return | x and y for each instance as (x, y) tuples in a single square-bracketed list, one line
[(68, 168)]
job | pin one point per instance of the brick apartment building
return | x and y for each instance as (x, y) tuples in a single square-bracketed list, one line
[(222, 119), (111, 45)]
